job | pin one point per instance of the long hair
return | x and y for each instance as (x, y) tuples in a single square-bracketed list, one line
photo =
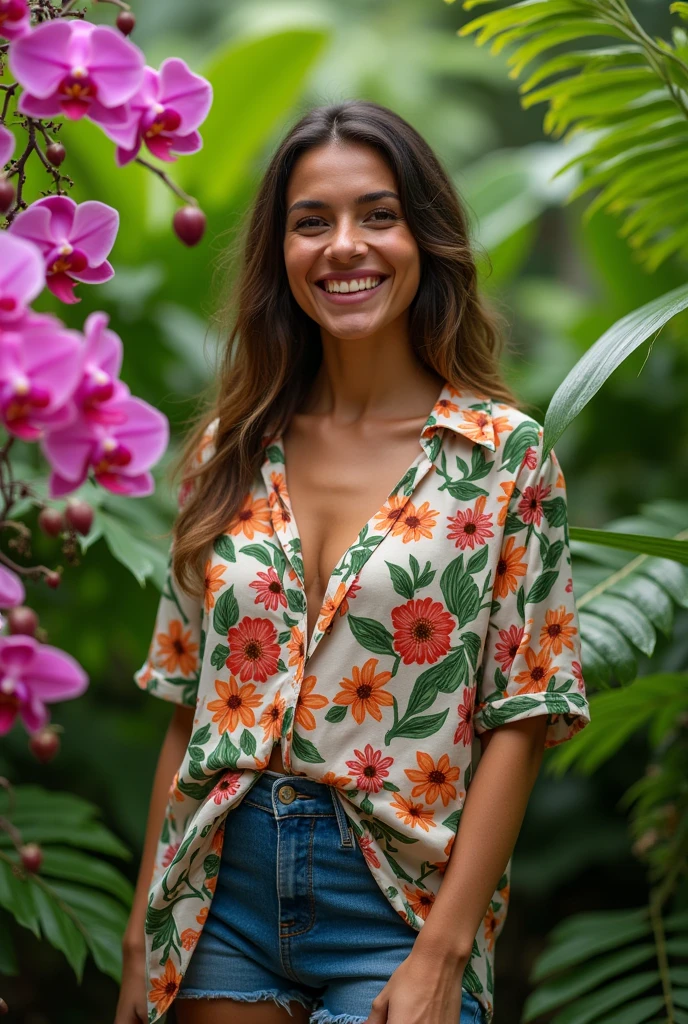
[(273, 349)]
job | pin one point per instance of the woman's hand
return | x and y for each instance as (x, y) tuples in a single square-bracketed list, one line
[(424, 989), (132, 1006)]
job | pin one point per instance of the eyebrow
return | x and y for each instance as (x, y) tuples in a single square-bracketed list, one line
[(319, 204)]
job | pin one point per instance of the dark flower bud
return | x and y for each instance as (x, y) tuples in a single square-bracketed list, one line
[(51, 522), (22, 620), (7, 194), (56, 153), (189, 224), (79, 515), (31, 856), (126, 22), (44, 744)]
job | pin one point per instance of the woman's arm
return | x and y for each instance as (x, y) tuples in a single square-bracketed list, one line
[(491, 819), (171, 756)]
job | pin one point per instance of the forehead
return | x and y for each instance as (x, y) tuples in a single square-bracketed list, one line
[(337, 172)]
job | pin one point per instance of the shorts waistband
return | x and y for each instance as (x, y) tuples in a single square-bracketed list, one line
[(310, 797)]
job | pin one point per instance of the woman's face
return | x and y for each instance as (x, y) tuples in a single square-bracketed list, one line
[(346, 231)]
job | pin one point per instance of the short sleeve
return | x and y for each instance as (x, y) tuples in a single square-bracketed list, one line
[(172, 667), (531, 661)]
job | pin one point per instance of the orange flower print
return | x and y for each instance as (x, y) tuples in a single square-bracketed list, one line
[(278, 489), (218, 838), (412, 814), (464, 730), (445, 408), (211, 883), (202, 915), (414, 523), (164, 989), (350, 595), (491, 926), (530, 505), (235, 704), (420, 901), (226, 787), (176, 653), (366, 845), (253, 649), (271, 719), (504, 500), (537, 675), (329, 608), (364, 693), (422, 630), (390, 513), (253, 518), (281, 517), (556, 633), (213, 582), (500, 425), (269, 590), (339, 781), (296, 647), (434, 780), (307, 700), (560, 480), (509, 568), (477, 425), (471, 527), (189, 938)]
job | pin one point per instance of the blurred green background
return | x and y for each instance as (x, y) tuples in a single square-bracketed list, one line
[(561, 282)]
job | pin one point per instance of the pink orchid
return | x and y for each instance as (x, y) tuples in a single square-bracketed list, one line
[(169, 106), (12, 590), (100, 381), (78, 69), (120, 454), (7, 140), (15, 19), (31, 675), (40, 366), (22, 277), (75, 240)]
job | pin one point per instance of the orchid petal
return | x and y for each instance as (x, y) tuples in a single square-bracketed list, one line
[(12, 590), (40, 59)]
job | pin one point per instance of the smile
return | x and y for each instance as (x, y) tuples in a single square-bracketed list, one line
[(352, 291)]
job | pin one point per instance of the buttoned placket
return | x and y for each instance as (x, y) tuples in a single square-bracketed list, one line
[(287, 534)]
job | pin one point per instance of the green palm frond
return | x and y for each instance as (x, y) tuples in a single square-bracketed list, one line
[(623, 602), (627, 99)]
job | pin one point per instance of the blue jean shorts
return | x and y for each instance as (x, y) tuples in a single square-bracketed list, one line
[(297, 915)]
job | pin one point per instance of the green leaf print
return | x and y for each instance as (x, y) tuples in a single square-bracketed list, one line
[(366, 805), (480, 466), (225, 755), (452, 821), (257, 551), (286, 721), (492, 716), (555, 511), (219, 656), (513, 524), (296, 600), (336, 713), (247, 742), (390, 786), (460, 591), (553, 555), (518, 442), (542, 586), (371, 635), (478, 561), (471, 643), (305, 750), (226, 613), (419, 728), (470, 980), (421, 579), (211, 865), (463, 490), (224, 547), (401, 581), (396, 868), (273, 453)]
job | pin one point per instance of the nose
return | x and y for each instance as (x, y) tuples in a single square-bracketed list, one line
[(346, 243)]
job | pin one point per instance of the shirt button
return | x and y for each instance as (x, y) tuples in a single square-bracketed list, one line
[(286, 794)]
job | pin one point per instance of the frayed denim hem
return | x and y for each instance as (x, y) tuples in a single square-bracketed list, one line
[(324, 1016), (280, 998)]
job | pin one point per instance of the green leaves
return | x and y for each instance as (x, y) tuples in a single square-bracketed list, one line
[(226, 612), (371, 635), (77, 902)]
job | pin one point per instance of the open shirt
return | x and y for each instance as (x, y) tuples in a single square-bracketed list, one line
[(451, 613)]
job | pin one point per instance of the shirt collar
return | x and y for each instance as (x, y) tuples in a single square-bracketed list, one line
[(465, 412)]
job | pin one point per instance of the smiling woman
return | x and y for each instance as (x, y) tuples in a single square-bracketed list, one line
[(370, 570)]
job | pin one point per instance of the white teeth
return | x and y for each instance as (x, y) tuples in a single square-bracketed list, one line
[(363, 284)]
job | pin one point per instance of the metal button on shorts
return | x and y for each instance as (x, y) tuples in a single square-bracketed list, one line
[(286, 794)]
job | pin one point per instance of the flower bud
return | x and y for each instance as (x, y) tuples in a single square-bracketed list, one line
[(126, 22), (7, 194), (56, 153), (44, 744), (22, 620), (51, 522), (53, 579), (79, 515), (31, 856), (189, 224)]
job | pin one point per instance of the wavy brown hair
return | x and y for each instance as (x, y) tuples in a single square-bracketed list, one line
[(273, 349)]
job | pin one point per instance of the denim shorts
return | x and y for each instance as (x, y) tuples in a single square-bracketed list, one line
[(296, 914)]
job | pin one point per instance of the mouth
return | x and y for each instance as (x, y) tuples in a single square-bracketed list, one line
[(348, 292)]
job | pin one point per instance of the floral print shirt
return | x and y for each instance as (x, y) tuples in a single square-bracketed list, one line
[(451, 613)]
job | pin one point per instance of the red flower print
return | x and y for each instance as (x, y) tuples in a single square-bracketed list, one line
[(420, 901), (577, 670), (254, 651), (507, 647), (556, 632), (423, 628), (464, 730), (269, 590), (226, 787), (509, 568), (434, 780), (366, 845), (364, 693), (530, 505), (370, 769), (471, 527), (164, 989), (413, 814), (169, 853), (529, 459)]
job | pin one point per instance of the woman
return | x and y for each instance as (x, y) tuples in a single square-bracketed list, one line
[(335, 635)]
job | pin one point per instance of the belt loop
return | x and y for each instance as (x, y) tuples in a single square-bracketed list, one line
[(345, 829)]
